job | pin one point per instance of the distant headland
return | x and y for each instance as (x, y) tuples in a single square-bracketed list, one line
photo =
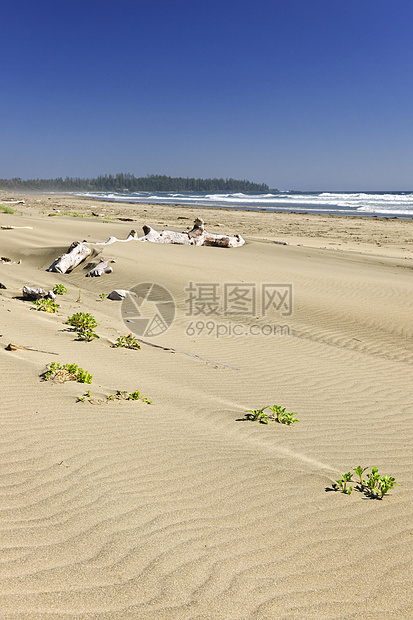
[(128, 182)]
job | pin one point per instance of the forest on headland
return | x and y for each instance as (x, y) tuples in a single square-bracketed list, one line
[(128, 182)]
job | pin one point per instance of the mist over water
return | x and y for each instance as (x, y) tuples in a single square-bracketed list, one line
[(382, 204)]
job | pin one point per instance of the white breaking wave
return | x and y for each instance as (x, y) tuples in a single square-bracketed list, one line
[(345, 203)]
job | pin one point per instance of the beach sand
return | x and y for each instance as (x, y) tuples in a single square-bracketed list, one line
[(183, 508)]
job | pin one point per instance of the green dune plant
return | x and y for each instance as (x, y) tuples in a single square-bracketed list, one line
[(375, 486), (127, 342), (343, 483), (257, 415), (119, 395), (282, 416), (59, 289), (84, 324), (278, 414), (67, 372), (46, 305), (7, 209)]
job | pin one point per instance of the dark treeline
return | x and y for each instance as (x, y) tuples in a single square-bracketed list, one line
[(128, 182)]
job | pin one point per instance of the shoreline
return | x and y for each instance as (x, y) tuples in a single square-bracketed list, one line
[(387, 237), (338, 212)]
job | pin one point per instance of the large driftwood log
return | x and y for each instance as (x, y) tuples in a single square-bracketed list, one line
[(101, 268), (76, 253), (197, 236), (166, 236)]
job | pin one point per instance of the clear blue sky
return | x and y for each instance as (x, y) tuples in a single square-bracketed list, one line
[(299, 94)]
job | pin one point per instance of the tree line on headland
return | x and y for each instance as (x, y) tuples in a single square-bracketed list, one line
[(128, 182)]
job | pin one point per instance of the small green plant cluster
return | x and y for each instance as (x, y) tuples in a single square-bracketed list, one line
[(82, 399), (46, 305), (281, 416), (128, 342), (7, 209), (278, 414), (123, 395), (84, 324), (102, 296), (257, 414), (67, 213), (67, 372), (376, 486), (120, 395), (59, 289)]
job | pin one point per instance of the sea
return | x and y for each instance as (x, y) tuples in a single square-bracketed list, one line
[(368, 204)]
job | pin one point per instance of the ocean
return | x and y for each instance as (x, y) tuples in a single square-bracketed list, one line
[(369, 204)]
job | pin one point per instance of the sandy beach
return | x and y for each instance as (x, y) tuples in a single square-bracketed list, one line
[(184, 508)]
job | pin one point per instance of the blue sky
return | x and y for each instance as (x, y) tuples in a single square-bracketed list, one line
[(299, 94)]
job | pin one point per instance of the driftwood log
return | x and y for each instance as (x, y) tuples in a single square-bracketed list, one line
[(37, 293), (76, 253), (8, 261), (101, 268), (79, 251), (166, 236), (14, 227), (17, 347), (197, 236), (133, 236), (119, 293)]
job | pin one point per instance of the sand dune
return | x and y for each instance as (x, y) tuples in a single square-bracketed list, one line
[(183, 509)]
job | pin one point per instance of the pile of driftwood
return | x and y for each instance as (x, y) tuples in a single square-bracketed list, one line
[(79, 250)]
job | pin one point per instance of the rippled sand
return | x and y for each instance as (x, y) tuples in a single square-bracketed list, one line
[(183, 509)]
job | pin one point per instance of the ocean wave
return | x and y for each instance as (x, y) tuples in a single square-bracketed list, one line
[(386, 210), (389, 203)]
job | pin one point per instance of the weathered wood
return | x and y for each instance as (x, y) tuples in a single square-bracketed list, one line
[(37, 293), (8, 261), (196, 236), (16, 347), (119, 293), (166, 236), (133, 236), (76, 253), (100, 269), (14, 227), (223, 241)]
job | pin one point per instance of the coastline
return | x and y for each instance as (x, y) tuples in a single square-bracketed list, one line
[(364, 204), (382, 236), (179, 509)]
